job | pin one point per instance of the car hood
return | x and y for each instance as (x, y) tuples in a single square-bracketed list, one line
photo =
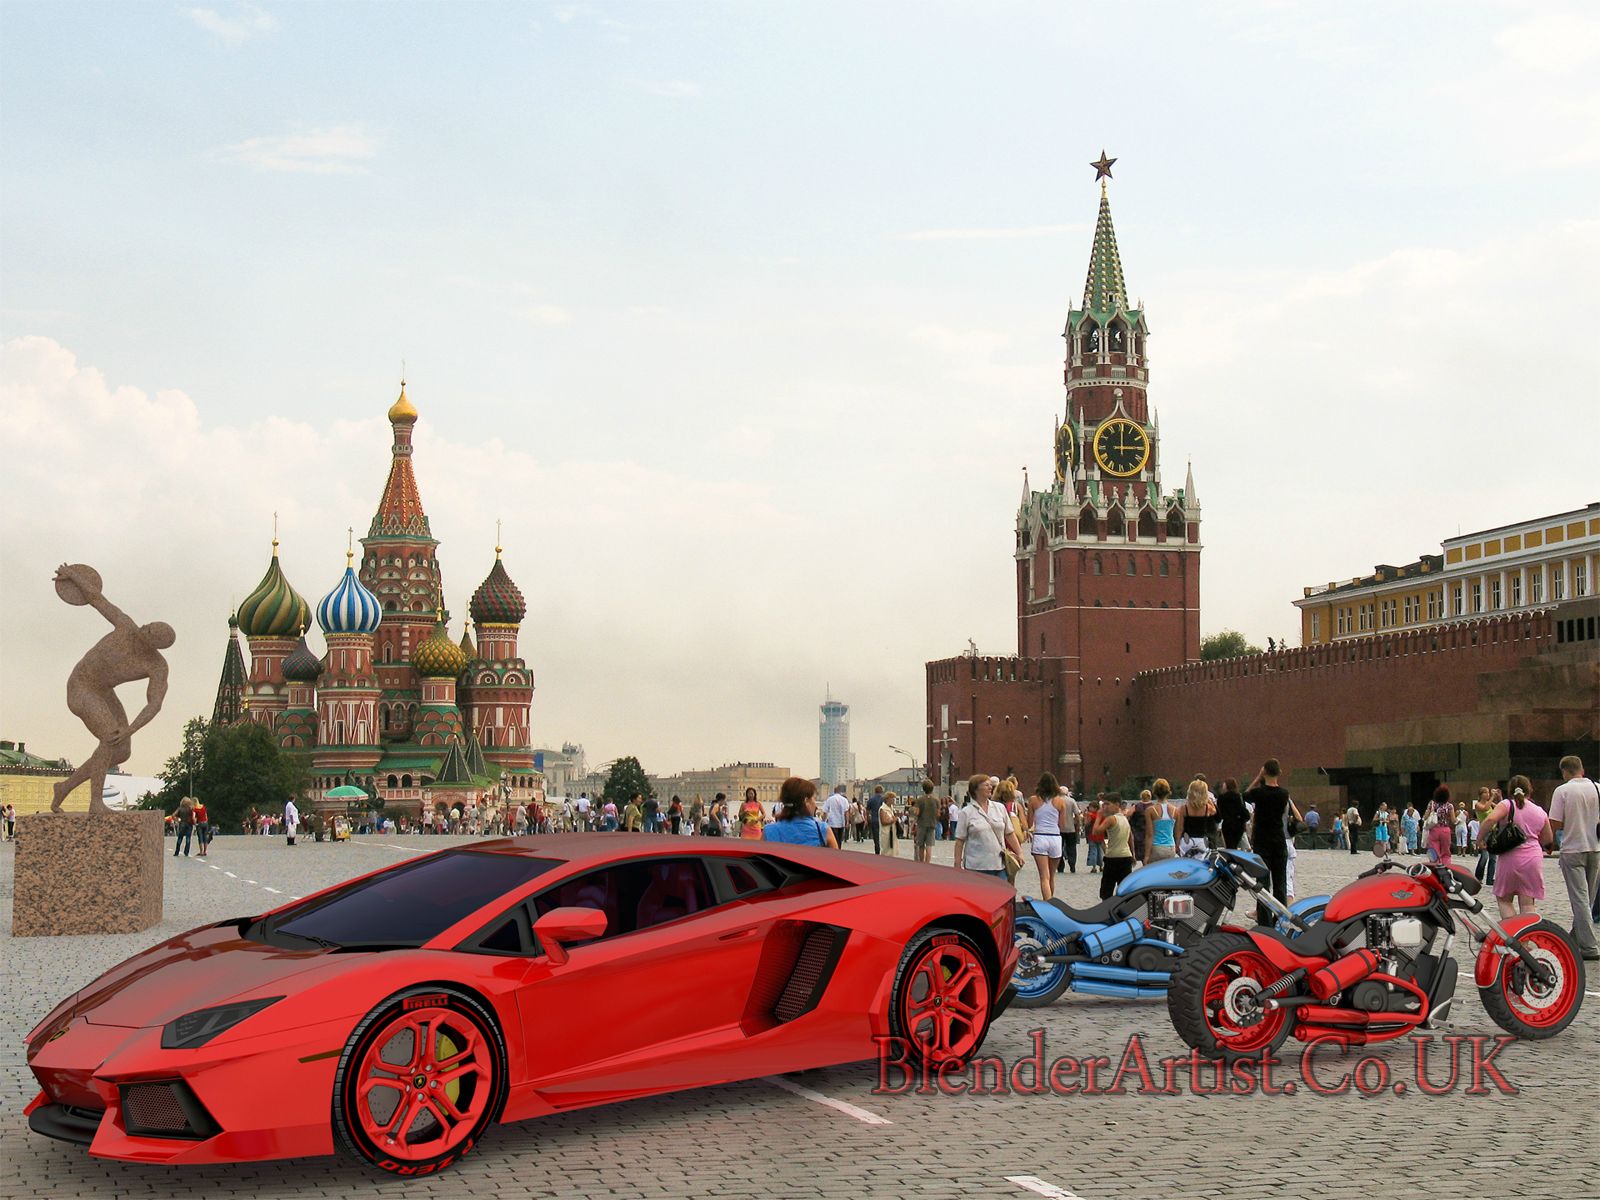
[(196, 970)]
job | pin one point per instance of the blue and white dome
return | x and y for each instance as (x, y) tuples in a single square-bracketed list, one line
[(349, 608)]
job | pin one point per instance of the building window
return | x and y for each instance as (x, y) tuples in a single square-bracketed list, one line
[(1131, 568), (1516, 590), (1477, 595), (1580, 578), (1316, 627), (1558, 581), (1413, 610), (1459, 597), (1495, 598), (1435, 606), (1342, 618), (1388, 613), (1536, 588), (1365, 616), (1097, 568), (1166, 568)]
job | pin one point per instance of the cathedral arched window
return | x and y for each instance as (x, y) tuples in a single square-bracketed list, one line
[(1119, 338), (1175, 524), (393, 781), (405, 781), (1093, 340), (1132, 568), (1166, 566), (1114, 524), (1097, 565)]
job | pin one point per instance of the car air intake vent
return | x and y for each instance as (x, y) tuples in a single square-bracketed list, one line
[(818, 954), (797, 961), (165, 1110)]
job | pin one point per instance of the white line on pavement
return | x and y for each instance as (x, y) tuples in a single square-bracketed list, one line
[(230, 875), (396, 849), (1592, 993), (849, 1110), (274, 891), (252, 883), (1034, 1184)]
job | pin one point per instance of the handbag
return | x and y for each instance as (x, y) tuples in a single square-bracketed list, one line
[(1507, 835), (1013, 863)]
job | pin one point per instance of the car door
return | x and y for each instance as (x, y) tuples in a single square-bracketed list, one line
[(630, 1012)]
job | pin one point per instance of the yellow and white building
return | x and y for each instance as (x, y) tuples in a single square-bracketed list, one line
[(1526, 565)]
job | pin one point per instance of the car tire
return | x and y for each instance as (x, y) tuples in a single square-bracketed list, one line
[(440, 1054), (942, 1002)]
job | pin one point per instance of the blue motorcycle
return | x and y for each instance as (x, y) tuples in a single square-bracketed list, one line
[(1129, 945)]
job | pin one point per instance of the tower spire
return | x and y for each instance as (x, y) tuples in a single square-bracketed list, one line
[(1104, 290), (400, 511)]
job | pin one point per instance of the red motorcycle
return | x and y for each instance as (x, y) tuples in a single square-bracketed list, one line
[(1376, 966)]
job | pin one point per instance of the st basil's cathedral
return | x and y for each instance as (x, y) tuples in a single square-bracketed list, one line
[(395, 706)]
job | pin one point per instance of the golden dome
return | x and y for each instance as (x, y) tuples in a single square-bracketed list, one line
[(402, 409)]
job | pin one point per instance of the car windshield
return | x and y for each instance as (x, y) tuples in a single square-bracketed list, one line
[(410, 904)]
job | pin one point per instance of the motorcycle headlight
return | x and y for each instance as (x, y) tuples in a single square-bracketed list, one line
[(199, 1027), (1178, 907)]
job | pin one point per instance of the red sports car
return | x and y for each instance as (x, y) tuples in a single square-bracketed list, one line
[(402, 1013)]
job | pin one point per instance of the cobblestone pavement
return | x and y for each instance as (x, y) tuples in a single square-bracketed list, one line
[(757, 1139)]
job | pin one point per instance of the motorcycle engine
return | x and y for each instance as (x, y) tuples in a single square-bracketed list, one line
[(1399, 943)]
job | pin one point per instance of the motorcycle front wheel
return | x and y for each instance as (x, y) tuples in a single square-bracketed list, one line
[(1521, 1004)]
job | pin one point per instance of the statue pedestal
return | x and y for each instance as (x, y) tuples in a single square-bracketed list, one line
[(78, 873)]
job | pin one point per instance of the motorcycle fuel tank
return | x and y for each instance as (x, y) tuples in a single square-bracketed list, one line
[(1184, 873), (1389, 892)]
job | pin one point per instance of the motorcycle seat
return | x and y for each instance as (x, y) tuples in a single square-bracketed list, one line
[(1104, 913), (1314, 941)]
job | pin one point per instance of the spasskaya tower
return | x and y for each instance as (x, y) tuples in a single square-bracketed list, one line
[(1107, 562)]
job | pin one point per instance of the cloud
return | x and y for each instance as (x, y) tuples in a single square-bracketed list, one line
[(994, 234), (1553, 41), (335, 150), (546, 314), (672, 89), (246, 22)]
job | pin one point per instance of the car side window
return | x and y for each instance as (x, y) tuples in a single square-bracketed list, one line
[(634, 895)]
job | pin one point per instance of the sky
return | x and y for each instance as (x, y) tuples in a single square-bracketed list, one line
[(744, 319)]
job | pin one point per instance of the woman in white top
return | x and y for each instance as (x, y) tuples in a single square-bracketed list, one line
[(983, 831), (1045, 815)]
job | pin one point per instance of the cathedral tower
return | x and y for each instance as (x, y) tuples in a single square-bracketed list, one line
[(399, 565), (501, 683), (347, 694), (271, 619)]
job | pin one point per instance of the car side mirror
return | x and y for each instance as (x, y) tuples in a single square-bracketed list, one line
[(571, 924)]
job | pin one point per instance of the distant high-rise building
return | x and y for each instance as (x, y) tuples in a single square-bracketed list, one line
[(834, 742)]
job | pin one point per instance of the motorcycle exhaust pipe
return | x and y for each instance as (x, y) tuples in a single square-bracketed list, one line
[(1113, 937), (1110, 974), (1122, 991), (1342, 972)]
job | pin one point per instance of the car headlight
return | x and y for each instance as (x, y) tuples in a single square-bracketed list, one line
[(199, 1027)]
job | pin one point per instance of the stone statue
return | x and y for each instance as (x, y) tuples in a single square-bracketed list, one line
[(128, 653)]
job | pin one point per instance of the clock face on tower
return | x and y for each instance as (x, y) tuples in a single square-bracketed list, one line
[(1121, 447), (1066, 452)]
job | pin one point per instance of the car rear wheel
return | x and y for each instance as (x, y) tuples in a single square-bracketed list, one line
[(422, 1076), (943, 1000)]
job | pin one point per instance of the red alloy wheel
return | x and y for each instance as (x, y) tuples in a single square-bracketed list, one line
[(1242, 970), (1533, 1003), (944, 1005), (423, 1082)]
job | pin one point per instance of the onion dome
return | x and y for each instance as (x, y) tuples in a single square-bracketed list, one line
[(302, 666), (402, 411), (438, 657), (498, 601), (350, 607), (467, 647), (274, 609)]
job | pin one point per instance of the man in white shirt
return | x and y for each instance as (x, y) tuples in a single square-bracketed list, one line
[(1574, 811), (835, 811)]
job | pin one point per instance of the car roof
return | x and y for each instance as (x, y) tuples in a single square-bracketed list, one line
[(597, 849)]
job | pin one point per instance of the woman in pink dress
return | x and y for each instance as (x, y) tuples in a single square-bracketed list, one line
[(1519, 873), (1444, 824)]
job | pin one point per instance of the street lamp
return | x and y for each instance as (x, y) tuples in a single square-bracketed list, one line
[(909, 755)]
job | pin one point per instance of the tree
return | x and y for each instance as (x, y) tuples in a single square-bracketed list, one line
[(1230, 643), (625, 781), (244, 769), (232, 769), (182, 769)]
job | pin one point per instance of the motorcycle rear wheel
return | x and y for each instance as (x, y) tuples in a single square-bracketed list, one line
[(1046, 985), (1203, 1000)]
